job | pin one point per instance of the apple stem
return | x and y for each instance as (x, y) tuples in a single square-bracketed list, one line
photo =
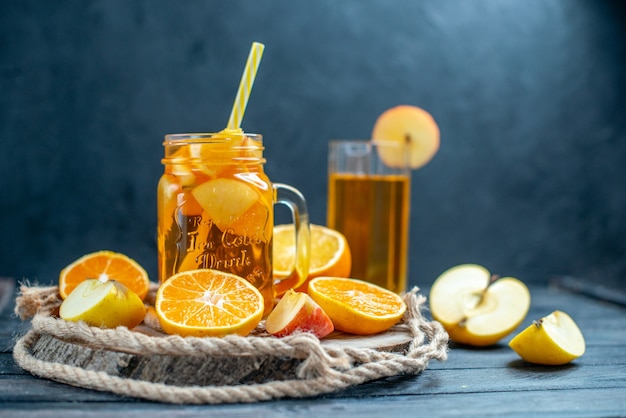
[(492, 280), (407, 139), (481, 296)]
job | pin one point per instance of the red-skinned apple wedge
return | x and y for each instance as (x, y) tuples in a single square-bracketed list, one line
[(297, 312)]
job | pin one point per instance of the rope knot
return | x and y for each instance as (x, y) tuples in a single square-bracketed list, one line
[(317, 362)]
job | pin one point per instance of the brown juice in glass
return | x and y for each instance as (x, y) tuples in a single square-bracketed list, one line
[(369, 202), (372, 211)]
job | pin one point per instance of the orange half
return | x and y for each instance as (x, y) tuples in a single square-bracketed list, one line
[(356, 306), (329, 256), (105, 265), (208, 303)]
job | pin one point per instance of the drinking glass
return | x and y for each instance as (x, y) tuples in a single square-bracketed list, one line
[(215, 209), (369, 202)]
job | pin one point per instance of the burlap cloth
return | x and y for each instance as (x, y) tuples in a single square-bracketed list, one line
[(319, 369)]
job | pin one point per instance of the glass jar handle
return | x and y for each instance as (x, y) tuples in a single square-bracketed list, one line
[(293, 199)]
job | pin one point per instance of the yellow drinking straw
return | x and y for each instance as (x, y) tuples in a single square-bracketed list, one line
[(245, 85)]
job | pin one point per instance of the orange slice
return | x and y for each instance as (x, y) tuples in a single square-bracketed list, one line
[(105, 265), (205, 302), (182, 172), (214, 157), (329, 256), (355, 306)]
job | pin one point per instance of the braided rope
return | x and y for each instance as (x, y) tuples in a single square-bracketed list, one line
[(323, 369)]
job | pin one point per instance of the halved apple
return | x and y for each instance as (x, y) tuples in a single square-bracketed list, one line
[(553, 340), (408, 125), (295, 312), (477, 308)]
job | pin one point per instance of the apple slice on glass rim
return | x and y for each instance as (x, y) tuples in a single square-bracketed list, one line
[(411, 126)]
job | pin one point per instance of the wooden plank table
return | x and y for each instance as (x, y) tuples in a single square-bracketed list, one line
[(472, 382)]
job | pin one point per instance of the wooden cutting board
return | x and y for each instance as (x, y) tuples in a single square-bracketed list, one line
[(201, 370)]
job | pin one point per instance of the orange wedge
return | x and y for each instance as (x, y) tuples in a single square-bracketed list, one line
[(355, 306), (104, 265), (208, 303), (329, 256)]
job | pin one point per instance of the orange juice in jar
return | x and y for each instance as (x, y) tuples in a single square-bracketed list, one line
[(216, 209)]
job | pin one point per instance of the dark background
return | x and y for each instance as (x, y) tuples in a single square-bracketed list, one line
[(529, 96)]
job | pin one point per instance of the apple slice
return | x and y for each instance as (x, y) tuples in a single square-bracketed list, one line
[(553, 340), (476, 308), (107, 304), (225, 200), (411, 125), (295, 312)]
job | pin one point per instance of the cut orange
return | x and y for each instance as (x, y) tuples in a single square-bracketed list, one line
[(105, 265), (208, 303), (355, 306), (329, 256)]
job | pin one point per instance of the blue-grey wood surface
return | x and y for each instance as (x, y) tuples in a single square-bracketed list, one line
[(472, 382)]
